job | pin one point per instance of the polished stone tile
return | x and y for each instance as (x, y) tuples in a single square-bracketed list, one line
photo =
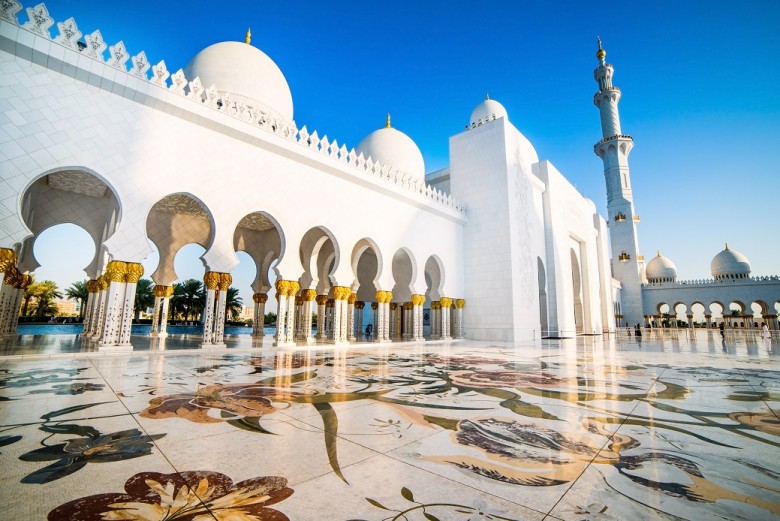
[(586, 428), (384, 488)]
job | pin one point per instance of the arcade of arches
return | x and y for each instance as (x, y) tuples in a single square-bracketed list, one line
[(176, 220)]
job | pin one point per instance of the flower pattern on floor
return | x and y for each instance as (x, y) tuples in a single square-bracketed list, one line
[(585, 434), (184, 496)]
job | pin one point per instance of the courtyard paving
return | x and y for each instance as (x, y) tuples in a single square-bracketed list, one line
[(672, 425)]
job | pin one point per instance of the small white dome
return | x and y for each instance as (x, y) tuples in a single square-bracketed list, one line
[(660, 269), (394, 149), (730, 264), (486, 111), (246, 73)]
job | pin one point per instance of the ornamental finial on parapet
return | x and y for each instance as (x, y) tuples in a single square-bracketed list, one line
[(387, 122), (601, 53), (248, 37)]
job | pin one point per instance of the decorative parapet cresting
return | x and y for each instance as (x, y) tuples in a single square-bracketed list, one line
[(714, 282), (39, 22)]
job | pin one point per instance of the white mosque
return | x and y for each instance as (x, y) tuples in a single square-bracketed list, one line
[(497, 246)]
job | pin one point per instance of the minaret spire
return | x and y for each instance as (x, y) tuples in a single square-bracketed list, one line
[(601, 53), (613, 149)]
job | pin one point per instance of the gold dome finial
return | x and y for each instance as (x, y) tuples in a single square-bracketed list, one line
[(601, 53), (659, 253), (727, 246), (487, 96), (248, 37), (387, 122)]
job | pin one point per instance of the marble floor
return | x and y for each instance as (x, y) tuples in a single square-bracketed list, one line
[(673, 425)]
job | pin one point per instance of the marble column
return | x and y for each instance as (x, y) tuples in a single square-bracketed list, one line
[(166, 302), (340, 302), (359, 306), (289, 327), (708, 319), (690, 320), (115, 277), (351, 317), (308, 297), (375, 321), (225, 280), (435, 319), (211, 281), (93, 288), (285, 317), (258, 321), (11, 276), (445, 306), (459, 304), (24, 281), (99, 312), (322, 301), (133, 273), (406, 324), (393, 333), (330, 305), (156, 313), (8, 274), (417, 317)]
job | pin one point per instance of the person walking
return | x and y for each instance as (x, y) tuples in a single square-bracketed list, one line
[(722, 332)]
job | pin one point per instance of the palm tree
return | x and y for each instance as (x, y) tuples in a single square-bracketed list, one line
[(78, 291), (188, 298), (44, 293), (144, 298), (233, 303), (28, 295)]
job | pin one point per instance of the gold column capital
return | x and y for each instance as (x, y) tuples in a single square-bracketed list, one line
[(225, 280), (359, 304), (211, 280), (445, 302), (352, 298), (11, 276), (159, 290), (393, 306), (260, 298), (309, 294), (435, 304), (133, 272), (459, 303), (116, 271), (330, 303), (418, 300), (322, 300), (7, 259), (374, 305), (26, 280), (341, 292), (384, 297), (293, 288)]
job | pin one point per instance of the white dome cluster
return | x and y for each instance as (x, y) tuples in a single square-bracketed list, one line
[(730, 264), (394, 149), (246, 73), (660, 269)]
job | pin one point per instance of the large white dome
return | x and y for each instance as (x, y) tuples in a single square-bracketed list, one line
[(660, 269), (246, 73), (486, 111), (394, 149), (730, 264)]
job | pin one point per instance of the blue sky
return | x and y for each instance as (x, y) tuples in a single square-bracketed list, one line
[(700, 83)]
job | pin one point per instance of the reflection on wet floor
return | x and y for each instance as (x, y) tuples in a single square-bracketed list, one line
[(671, 425)]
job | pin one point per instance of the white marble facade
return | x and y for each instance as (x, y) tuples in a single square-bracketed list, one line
[(139, 156)]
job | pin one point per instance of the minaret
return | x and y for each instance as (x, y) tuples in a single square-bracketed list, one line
[(613, 149)]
